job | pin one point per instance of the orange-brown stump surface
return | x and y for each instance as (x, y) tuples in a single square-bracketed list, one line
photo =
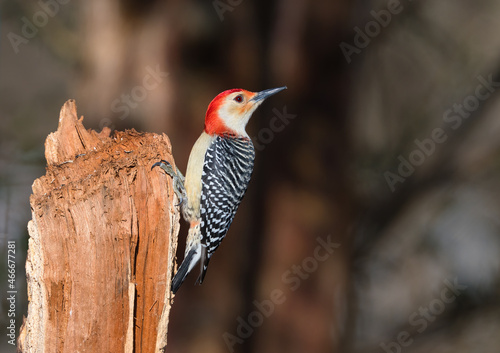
[(103, 237)]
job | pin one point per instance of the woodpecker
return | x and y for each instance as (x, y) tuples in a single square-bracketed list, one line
[(218, 172)]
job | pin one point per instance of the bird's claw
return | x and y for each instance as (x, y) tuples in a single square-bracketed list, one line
[(180, 197), (166, 166)]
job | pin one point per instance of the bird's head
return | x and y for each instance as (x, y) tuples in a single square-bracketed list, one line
[(229, 112)]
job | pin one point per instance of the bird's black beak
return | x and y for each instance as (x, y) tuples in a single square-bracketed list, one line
[(260, 96)]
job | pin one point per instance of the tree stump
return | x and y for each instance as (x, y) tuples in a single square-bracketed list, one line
[(103, 238)]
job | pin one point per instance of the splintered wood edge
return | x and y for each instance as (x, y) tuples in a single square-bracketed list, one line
[(129, 339), (67, 110), (37, 294), (71, 138), (162, 330)]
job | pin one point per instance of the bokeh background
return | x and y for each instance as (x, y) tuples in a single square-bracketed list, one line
[(388, 150)]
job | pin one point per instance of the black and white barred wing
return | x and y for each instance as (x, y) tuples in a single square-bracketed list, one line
[(226, 173)]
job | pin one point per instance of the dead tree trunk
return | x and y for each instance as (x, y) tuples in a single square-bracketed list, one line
[(103, 237)]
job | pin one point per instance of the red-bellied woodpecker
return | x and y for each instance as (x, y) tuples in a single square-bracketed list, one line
[(218, 172)]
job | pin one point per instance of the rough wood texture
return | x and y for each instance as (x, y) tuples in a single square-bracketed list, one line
[(103, 237)]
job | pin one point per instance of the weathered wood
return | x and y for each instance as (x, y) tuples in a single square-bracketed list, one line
[(103, 237)]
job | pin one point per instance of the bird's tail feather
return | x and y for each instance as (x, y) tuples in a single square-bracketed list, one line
[(204, 259), (187, 265)]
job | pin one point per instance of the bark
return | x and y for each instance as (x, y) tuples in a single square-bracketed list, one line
[(103, 237)]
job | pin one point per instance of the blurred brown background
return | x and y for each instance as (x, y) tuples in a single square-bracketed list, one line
[(372, 222)]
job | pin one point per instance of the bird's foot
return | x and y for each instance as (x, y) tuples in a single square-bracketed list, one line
[(177, 177)]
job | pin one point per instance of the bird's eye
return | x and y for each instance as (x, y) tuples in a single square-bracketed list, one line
[(238, 98)]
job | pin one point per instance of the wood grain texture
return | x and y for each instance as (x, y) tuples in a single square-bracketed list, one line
[(103, 237)]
